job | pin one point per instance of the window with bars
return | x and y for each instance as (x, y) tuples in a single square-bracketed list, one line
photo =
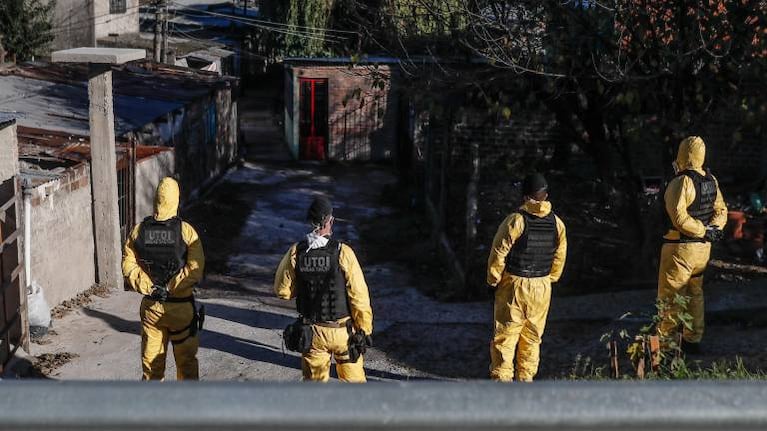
[(117, 6)]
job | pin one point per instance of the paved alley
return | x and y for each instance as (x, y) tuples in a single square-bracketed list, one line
[(246, 224)]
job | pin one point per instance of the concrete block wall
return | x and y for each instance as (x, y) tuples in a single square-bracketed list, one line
[(363, 129), (63, 260)]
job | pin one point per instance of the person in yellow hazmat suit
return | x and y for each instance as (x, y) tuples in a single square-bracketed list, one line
[(696, 216), (332, 299), (163, 260), (528, 254)]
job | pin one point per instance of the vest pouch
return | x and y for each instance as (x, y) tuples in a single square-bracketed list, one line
[(298, 336)]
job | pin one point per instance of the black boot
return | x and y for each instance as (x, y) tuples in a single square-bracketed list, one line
[(691, 348)]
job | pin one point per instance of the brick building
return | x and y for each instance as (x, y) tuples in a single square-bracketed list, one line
[(339, 110)]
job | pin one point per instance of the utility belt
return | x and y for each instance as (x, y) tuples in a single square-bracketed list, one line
[(298, 337), (684, 239), (171, 299), (344, 322), (524, 273)]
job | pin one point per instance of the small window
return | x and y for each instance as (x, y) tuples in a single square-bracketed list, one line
[(117, 6)]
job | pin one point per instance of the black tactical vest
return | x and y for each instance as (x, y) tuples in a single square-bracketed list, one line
[(321, 283), (161, 249), (702, 208), (533, 253)]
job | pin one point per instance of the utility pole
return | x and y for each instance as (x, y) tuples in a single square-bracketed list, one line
[(164, 55), (157, 30), (106, 215)]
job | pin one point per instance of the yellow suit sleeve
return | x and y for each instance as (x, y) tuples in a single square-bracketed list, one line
[(679, 195), (135, 276), (720, 209), (181, 285), (508, 232), (560, 255), (285, 277), (357, 289)]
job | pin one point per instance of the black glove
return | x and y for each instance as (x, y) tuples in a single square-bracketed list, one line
[(713, 234), (159, 293), (358, 345)]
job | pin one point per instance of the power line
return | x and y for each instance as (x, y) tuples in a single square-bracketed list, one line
[(325, 38), (328, 38), (279, 24)]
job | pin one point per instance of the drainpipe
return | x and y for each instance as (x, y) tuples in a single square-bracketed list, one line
[(27, 191)]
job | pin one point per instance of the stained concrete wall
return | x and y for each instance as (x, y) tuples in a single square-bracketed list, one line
[(149, 172), (123, 23), (9, 152), (63, 257), (75, 26)]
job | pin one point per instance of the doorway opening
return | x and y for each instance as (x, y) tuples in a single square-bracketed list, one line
[(313, 119)]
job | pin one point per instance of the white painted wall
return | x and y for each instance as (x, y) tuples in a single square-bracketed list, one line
[(9, 152), (107, 23), (63, 257)]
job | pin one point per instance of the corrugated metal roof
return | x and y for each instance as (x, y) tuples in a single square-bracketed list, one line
[(55, 97), (68, 147), (62, 107)]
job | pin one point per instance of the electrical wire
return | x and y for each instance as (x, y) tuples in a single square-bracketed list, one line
[(285, 25), (325, 38)]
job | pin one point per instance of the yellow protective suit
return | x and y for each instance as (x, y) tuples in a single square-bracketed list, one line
[(682, 264), (330, 341), (521, 304), (167, 321)]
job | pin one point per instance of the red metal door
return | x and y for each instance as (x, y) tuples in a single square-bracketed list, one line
[(313, 119)]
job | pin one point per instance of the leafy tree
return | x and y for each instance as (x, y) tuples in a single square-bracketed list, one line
[(25, 26)]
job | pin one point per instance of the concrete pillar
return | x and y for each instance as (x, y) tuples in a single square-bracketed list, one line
[(106, 213), (106, 216)]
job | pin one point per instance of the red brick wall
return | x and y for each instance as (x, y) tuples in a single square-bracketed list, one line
[(72, 179), (363, 128)]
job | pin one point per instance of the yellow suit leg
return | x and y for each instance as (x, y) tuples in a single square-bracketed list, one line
[(696, 310), (154, 340), (681, 270), (537, 293), (509, 320), (316, 363), (185, 354), (350, 372), (178, 317)]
